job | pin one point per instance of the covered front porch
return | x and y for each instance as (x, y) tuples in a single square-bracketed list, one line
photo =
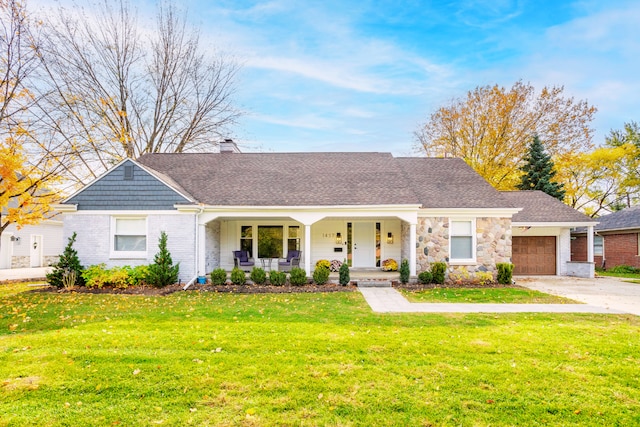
[(362, 237)]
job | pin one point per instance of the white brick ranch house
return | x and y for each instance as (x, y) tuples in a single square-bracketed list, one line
[(360, 207)]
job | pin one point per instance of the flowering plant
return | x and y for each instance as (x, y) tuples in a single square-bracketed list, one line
[(389, 265), (323, 263)]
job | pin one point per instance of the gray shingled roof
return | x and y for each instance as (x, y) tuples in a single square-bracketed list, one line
[(449, 183), (540, 207), (622, 220), (308, 179)]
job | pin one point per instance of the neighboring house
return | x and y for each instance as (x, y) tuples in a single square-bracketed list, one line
[(541, 242), (32, 246), (360, 207), (617, 240)]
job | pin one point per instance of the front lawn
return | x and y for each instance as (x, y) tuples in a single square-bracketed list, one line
[(513, 295), (194, 358), (622, 275)]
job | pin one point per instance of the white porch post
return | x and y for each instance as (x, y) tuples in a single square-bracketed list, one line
[(590, 243), (307, 249), (412, 248), (201, 250)]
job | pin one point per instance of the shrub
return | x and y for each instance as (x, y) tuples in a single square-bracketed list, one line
[(484, 277), (277, 278), (98, 276), (297, 276), (118, 277), (335, 265), (162, 272), (137, 275), (404, 271), (323, 263), (389, 265), (425, 277), (321, 275), (237, 276), (219, 276), (459, 275), (438, 270), (505, 273), (95, 276), (258, 276), (68, 265), (344, 278), (624, 269)]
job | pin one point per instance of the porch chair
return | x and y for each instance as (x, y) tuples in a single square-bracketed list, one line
[(292, 260), (241, 260)]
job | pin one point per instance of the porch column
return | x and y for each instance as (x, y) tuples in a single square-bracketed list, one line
[(590, 243), (307, 249), (201, 240), (412, 249)]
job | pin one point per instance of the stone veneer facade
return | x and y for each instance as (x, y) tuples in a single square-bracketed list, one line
[(493, 244), (212, 245), (25, 261)]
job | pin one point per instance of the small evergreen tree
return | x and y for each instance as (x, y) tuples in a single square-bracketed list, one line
[(67, 266), (162, 272), (344, 277), (404, 271), (539, 172)]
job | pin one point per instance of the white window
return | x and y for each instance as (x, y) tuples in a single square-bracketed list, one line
[(598, 245), (462, 241), (128, 237)]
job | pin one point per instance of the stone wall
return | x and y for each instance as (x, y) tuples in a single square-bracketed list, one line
[(404, 238), (212, 246), (493, 244), (432, 242), (20, 261), (25, 261)]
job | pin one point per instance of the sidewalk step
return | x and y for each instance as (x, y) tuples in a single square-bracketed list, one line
[(374, 284)]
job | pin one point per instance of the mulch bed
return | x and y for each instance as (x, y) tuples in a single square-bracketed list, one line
[(256, 289), (236, 289)]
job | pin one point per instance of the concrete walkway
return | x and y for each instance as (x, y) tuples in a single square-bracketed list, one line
[(389, 300), (18, 274)]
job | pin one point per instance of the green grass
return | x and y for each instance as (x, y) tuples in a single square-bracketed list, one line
[(623, 275), (306, 360), (485, 295)]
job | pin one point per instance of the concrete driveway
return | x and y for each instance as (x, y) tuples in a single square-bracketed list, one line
[(607, 292)]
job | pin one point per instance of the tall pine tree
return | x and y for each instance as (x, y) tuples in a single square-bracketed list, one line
[(539, 172)]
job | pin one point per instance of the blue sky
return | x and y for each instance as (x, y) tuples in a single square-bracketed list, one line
[(363, 75)]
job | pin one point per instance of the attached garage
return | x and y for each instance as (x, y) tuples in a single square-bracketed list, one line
[(534, 255), (541, 235)]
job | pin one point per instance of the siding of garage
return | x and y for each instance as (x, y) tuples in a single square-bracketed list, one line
[(534, 255)]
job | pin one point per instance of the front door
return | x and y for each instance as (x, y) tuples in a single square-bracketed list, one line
[(364, 244), (36, 251)]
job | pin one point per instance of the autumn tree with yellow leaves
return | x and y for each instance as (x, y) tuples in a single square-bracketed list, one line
[(24, 177), (606, 179), (492, 127)]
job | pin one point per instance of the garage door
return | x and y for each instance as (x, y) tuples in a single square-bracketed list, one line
[(534, 255)]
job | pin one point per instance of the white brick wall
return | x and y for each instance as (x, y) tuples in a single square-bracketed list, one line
[(94, 234)]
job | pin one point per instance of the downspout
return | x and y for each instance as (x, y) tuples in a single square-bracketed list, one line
[(197, 245)]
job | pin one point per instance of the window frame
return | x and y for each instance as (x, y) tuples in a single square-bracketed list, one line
[(473, 237), (113, 253), (601, 238)]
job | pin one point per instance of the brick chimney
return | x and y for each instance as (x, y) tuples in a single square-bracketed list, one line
[(228, 146)]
